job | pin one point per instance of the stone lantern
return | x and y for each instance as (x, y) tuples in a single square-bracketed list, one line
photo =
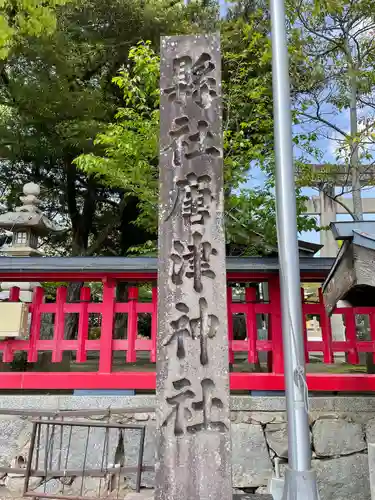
[(27, 223)]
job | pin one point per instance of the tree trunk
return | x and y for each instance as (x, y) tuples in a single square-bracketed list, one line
[(355, 170), (354, 153), (121, 320), (81, 228), (71, 320)]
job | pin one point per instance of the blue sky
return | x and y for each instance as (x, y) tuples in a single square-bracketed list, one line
[(223, 6), (328, 147)]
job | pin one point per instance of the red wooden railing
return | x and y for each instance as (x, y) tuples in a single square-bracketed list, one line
[(270, 349)]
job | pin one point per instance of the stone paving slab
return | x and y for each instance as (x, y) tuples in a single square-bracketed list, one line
[(143, 495), (149, 495), (250, 496)]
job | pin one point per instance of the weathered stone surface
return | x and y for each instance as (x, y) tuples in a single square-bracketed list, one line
[(52, 487), (332, 408), (251, 496), (86, 486), (126, 450), (5, 493), (237, 491), (95, 487), (266, 417), (263, 490), (141, 417), (242, 417), (258, 417), (20, 461), (131, 456), (14, 433), (337, 437), (142, 495), (149, 495), (371, 466), (251, 464), (78, 440), (358, 405), (193, 425), (343, 478), (360, 417), (315, 415), (370, 431), (16, 484), (277, 439), (233, 416)]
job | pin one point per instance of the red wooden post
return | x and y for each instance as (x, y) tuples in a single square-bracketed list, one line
[(251, 325), (8, 353), (104, 378), (304, 326), (38, 296), (276, 327), (14, 294), (59, 327), (230, 324), (83, 324), (154, 324), (131, 354), (372, 332), (106, 336), (325, 325), (351, 336)]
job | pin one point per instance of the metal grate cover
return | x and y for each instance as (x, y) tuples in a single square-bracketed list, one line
[(102, 455)]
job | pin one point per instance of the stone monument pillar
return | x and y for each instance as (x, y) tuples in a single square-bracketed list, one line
[(27, 224), (193, 425), (328, 214)]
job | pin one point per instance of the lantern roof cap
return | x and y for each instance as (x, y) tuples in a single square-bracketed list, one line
[(29, 215)]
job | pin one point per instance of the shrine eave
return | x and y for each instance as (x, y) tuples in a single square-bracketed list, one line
[(351, 277), (314, 266)]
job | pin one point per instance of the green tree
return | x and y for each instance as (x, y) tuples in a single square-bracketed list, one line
[(56, 95), (23, 18), (128, 148), (334, 99)]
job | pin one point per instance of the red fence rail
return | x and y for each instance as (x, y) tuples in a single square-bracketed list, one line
[(254, 351)]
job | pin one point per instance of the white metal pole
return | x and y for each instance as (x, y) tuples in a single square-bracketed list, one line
[(300, 480)]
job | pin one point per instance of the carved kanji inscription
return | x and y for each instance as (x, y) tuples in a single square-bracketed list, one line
[(193, 452), (193, 199), (193, 79), (181, 411), (196, 198), (186, 408), (203, 327), (189, 140), (193, 261)]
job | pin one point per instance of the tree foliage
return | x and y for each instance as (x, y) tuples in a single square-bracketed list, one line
[(58, 101), (334, 93), (24, 18), (131, 143), (56, 94), (128, 148)]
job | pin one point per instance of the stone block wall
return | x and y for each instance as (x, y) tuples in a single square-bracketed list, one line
[(341, 427)]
